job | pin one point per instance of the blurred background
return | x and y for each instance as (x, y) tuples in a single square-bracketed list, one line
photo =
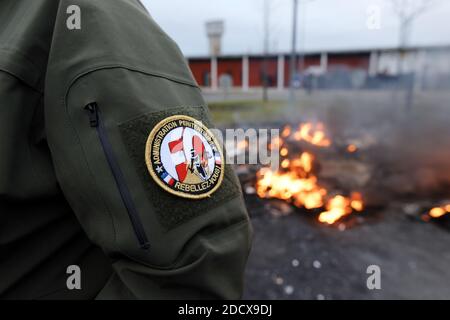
[(360, 92)]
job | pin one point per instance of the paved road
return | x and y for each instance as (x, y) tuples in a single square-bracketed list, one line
[(295, 257)]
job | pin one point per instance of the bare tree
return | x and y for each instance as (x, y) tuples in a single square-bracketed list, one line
[(270, 29), (407, 11)]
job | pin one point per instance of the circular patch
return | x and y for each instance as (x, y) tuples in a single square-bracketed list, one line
[(184, 157)]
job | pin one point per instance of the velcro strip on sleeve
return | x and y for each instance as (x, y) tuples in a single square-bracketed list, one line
[(172, 210)]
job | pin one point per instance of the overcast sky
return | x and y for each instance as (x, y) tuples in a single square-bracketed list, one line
[(323, 24)]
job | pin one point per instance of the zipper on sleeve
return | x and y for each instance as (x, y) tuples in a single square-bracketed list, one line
[(95, 121)]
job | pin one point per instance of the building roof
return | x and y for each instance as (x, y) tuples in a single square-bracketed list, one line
[(314, 53)]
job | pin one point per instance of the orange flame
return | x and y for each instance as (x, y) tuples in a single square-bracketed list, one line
[(337, 207), (340, 206), (296, 183), (439, 211), (286, 131), (352, 148), (305, 161), (314, 134), (356, 201)]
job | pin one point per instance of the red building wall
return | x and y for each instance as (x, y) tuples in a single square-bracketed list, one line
[(352, 61), (233, 67), (256, 72), (308, 61), (201, 70)]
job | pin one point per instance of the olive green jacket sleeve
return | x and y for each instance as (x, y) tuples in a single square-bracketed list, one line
[(162, 246)]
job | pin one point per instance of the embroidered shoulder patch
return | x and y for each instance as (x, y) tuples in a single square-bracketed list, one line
[(184, 157)]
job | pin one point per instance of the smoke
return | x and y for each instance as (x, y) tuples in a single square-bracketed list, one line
[(409, 150)]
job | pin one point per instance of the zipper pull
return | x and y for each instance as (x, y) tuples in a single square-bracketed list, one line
[(92, 108)]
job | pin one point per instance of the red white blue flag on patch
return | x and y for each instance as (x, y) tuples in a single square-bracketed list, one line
[(178, 157), (167, 178)]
